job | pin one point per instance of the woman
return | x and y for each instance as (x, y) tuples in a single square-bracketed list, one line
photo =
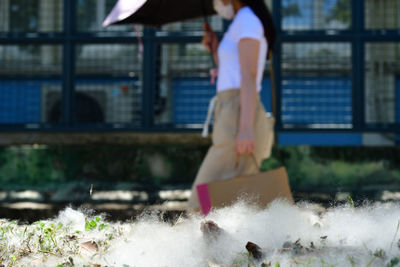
[(240, 120)]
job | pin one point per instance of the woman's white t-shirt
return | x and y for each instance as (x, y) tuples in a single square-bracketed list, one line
[(244, 25)]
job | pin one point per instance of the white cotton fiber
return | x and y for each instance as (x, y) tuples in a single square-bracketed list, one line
[(291, 235), (347, 235), (72, 218)]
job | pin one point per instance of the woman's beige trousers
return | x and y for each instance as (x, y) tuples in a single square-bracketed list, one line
[(219, 163)]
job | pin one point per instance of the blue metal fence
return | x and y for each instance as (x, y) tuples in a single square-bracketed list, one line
[(20, 102), (327, 64), (192, 97), (321, 100)]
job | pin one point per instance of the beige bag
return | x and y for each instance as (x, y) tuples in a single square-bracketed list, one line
[(261, 189)]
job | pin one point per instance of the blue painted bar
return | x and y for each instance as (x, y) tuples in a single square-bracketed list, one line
[(23, 101), (320, 139), (192, 96), (20, 101), (304, 100), (309, 100)]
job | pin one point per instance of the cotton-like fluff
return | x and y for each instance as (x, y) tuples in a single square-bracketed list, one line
[(72, 218), (153, 243), (372, 226), (342, 236), (291, 235)]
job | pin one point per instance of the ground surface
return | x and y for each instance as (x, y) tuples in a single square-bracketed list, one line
[(288, 235)]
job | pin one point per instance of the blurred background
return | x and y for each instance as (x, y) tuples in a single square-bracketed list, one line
[(110, 118)]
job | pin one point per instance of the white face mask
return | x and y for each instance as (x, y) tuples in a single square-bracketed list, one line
[(225, 11)]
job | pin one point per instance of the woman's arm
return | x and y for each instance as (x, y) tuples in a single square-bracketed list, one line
[(248, 57)]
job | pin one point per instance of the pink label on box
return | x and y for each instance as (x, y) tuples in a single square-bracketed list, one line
[(204, 198)]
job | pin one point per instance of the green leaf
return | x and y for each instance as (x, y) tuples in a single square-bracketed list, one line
[(98, 219), (87, 226), (393, 262), (379, 253), (353, 263), (90, 225), (13, 258), (350, 201), (40, 224), (93, 224)]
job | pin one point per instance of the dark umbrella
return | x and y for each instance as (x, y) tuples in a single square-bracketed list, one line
[(158, 12)]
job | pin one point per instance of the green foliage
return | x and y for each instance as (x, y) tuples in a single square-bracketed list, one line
[(32, 166), (342, 11), (291, 10), (393, 262), (310, 167), (90, 225), (49, 237), (243, 259), (13, 259), (352, 261), (102, 226), (26, 165), (94, 224), (350, 202)]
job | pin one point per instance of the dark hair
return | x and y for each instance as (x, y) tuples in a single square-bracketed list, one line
[(262, 12)]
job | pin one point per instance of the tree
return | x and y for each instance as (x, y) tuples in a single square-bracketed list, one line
[(341, 11), (292, 9)]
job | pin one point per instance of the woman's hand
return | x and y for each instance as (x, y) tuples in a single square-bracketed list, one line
[(245, 141), (210, 39)]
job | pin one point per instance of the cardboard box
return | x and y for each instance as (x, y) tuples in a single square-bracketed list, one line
[(261, 188)]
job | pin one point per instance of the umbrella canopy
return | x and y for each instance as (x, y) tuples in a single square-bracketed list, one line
[(158, 12)]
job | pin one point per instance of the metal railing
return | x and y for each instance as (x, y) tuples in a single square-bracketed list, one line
[(335, 61)]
